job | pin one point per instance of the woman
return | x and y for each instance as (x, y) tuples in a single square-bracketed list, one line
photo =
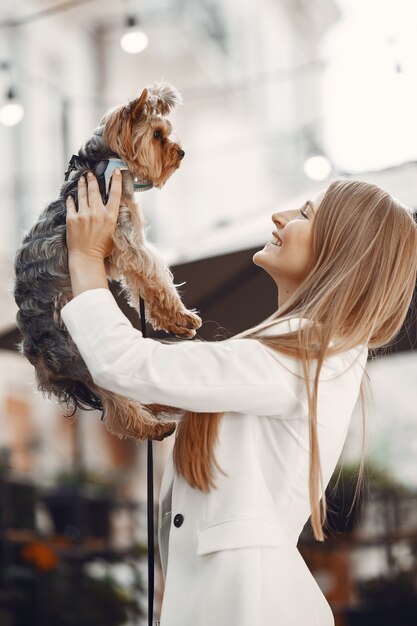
[(345, 265)]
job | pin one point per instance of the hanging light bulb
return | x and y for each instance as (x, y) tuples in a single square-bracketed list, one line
[(133, 40), (11, 111), (317, 167)]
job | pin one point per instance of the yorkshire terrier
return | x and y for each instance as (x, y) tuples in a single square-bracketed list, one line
[(136, 138)]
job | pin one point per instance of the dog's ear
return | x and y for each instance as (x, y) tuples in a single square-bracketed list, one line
[(163, 97), (136, 107)]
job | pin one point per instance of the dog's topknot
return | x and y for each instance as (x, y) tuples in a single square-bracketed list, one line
[(157, 99), (163, 97)]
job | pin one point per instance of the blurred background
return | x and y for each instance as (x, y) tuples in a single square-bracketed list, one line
[(280, 98)]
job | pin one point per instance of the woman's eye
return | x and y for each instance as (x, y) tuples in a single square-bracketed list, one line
[(157, 134), (303, 213)]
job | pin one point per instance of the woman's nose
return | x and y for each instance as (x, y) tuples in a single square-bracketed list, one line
[(279, 219)]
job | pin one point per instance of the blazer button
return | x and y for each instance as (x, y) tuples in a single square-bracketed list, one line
[(178, 520)]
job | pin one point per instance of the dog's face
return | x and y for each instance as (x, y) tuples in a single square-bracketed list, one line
[(139, 133)]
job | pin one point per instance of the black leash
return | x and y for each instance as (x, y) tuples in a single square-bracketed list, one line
[(150, 506), (151, 570), (99, 168)]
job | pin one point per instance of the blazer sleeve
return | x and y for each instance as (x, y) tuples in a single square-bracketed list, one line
[(239, 375)]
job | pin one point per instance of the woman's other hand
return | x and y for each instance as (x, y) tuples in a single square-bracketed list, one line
[(90, 230)]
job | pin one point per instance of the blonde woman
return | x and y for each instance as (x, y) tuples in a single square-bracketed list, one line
[(263, 415)]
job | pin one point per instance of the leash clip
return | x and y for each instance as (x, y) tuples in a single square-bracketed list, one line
[(71, 165)]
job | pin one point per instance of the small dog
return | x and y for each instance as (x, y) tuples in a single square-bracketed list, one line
[(134, 137)]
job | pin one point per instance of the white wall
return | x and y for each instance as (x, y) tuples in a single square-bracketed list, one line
[(238, 126), (240, 122)]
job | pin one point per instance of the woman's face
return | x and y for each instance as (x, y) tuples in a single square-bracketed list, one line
[(287, 256)]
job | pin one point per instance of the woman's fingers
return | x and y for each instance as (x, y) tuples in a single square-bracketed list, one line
[(71, 219), (82, 194), (89, 196), (91, 230), (93, 192), (113, 202), (71, 210)]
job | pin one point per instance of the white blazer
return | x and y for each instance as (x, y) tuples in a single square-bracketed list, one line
[(263, 442)]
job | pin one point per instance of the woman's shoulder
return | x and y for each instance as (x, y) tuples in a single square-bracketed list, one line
[(284, 325), (339, 360), (291, 324)]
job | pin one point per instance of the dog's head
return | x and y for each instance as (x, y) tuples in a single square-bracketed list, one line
[(139, 132)]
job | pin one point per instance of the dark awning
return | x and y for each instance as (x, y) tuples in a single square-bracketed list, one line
[(231, 294)]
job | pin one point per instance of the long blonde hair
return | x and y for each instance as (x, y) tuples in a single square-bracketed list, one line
[(357, 291)]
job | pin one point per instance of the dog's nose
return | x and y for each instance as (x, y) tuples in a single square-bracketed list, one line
[(181, 154)]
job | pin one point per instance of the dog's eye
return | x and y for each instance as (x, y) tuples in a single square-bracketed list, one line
[(157, 134)]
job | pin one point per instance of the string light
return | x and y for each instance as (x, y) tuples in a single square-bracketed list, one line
[(11, 110), (317, 167), (133, 40)]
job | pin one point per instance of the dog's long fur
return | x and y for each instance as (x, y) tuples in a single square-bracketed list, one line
[(42, 281)]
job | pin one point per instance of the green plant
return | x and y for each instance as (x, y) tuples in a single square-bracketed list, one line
[(394, 589), (93, 481), (346, 503), (98, 600), (375, 478), (69, 596), (80, 503)]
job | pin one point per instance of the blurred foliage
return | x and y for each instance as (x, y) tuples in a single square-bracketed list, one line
[(88, 478), (375, 476), (394, 589), (67, 596)]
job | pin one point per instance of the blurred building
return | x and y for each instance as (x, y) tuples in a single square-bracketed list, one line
[(252, 78)]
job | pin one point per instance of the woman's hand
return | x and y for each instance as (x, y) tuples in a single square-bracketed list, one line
[(90, 230), (90, 233)]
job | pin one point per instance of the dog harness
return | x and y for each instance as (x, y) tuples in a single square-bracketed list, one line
[(139, 184), (103, 171)]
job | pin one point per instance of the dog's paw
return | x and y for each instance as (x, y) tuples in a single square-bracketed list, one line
[(162, 430), (186, 333), (180, 322), (184, 323), (188, 320)]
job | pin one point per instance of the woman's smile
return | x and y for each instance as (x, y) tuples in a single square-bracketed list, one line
[(293, 231), (276, 240)]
